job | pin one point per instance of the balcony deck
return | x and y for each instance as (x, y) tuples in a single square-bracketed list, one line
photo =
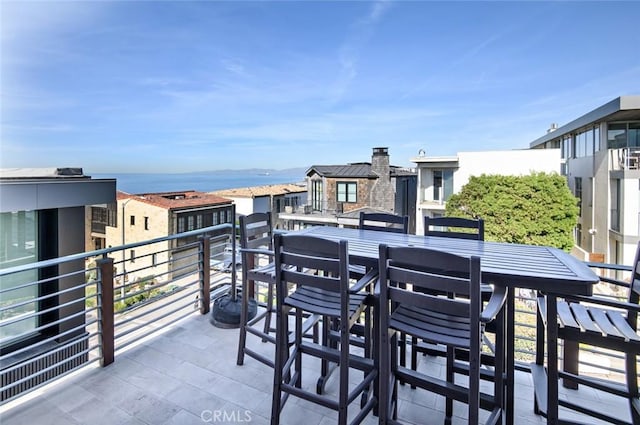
[(187, 374)]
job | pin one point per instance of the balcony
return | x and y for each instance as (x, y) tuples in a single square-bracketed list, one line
[(172, 366)]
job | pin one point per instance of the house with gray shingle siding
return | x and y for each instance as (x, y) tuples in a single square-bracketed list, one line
[(337, 193)]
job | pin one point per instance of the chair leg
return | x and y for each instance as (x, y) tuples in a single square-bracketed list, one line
[(450, 375), (632, 387), (269, 307), (414, 356), (540, 342), (279, 361), (552, 361), (242, 339)]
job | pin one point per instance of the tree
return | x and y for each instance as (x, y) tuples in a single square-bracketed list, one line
[(536, 209)]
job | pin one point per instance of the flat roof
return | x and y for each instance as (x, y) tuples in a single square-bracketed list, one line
[(619, 109)]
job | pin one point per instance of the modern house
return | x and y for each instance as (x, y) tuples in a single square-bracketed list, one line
[(152, 215), (440, 177), (336, 193), (274, 198), (601, 160), (42, 217)]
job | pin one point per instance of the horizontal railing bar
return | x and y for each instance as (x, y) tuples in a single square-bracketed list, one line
[(127, 343), (53, 338), (44, 297), (106, 251), (153, 310), (18, 337), (41, 281), (38, 313)]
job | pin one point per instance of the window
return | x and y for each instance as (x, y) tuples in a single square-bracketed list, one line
[(617, 136), (214, 218), (146, 223), (199, 221), (316, 195), (181, 225), (347, 192), (442, 184), (19, 245), (132, 255), (190, 222), (132, 220), (578, 193)]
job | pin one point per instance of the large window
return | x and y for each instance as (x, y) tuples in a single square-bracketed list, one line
[(316, 195), (442, 184), (347, 192), (617, 135), (18, 245)]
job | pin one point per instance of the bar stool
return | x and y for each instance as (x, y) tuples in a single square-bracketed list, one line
[(319, 270), (456, 323)]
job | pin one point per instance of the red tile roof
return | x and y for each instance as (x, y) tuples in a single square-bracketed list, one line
[(176, 200)]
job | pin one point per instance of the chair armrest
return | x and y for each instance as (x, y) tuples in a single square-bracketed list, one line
[(364, 281), (257, 251), (607, 302), (493, 307)]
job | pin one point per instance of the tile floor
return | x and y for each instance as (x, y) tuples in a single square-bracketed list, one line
[(188, 375)]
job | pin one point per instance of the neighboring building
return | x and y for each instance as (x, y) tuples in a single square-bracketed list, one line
[(276, 198), (151, 215), (441, 177), (336, 193), (42, 216), (601, 160)]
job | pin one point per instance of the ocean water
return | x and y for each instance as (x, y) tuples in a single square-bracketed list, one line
[(204, 182)]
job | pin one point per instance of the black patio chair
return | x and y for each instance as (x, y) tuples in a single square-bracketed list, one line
[(456, 323), (458, 228), (454, 227), (318, 269), (595, 321), (258, 270), (384, 222)]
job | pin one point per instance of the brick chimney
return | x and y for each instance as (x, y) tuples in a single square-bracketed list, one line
[(382, 191)]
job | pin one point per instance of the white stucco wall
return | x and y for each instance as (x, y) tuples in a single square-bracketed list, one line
[(513, 162)]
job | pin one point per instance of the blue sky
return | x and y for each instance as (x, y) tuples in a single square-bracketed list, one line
[(178, 86)]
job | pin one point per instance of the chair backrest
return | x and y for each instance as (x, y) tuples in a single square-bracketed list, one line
[(384, 222), (456, 227), (310, 261), (256, 231), (417, 277)]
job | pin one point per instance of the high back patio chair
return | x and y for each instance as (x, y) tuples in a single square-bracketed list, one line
[(454, 227), (258, 272), (456, 323), (384, 222), (318, 269), (595, 321), (458, 228)]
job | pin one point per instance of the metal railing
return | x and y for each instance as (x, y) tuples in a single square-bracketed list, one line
[(84, 308), (100, 302)]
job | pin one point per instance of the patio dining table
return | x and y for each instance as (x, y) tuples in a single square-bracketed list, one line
[(539, 268)]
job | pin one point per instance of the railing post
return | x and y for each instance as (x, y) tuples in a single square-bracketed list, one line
[(205, 274), (106, 310)]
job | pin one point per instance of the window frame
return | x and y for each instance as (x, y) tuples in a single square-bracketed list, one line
[(350, 192)]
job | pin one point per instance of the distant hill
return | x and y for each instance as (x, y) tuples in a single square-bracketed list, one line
[(254, 171)]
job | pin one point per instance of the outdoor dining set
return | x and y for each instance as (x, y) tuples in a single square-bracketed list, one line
[(365, 302)]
